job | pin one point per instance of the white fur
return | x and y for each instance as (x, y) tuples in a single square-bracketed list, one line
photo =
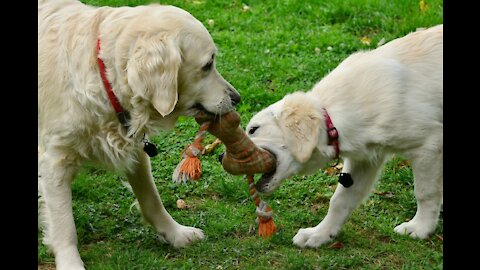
[(382, 101), (154, 57)]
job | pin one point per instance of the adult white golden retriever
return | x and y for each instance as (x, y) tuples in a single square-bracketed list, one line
[(382, 101), (159, 61)]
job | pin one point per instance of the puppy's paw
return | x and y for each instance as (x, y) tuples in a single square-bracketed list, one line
[(181, 236), (415, 229), (312, 237)]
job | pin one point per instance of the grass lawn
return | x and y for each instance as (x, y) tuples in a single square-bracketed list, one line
[(266, 50)]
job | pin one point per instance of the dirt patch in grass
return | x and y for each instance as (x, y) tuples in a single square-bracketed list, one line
[(46, 266)]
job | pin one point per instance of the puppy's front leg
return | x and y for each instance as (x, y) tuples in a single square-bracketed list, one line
[(342, 203), (55, 173), (153, 210), (427, 164)]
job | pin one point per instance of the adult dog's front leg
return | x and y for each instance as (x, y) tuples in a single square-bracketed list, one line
[(153, 210), (342, 203), (55, 174)]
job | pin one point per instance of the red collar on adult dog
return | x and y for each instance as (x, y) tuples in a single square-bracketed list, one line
[(108, 87), (332, 133), (122, 115)]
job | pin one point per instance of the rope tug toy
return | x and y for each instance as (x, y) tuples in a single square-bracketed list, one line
[(242, 156)]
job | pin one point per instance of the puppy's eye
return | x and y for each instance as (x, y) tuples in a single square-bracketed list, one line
[(252, 130)]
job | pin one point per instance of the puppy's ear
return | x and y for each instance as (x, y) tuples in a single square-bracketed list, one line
[(153, 69), (300, 124)]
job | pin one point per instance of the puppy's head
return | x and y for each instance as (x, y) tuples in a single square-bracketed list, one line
[(293, 129), (172, 65)]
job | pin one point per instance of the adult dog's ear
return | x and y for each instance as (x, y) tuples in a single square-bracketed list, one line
[(153, 69), (300, 123)]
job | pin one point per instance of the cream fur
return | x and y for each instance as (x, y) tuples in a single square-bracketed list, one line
[(154, 57), (384, 101)]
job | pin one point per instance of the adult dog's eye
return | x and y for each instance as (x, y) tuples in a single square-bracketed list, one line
[(208, 66), (252, 130)]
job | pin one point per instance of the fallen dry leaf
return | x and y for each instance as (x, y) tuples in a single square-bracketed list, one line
[(423, 6), (337, 245), (386, 194), (314, 208), (210, 147), (331, 171), (181, 204), (439, 237), (366, 40), (385, 239), (403, 164)]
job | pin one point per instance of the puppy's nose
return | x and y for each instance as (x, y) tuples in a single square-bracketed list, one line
[(235, 97), (220, 157)]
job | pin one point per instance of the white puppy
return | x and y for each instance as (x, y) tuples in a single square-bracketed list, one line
[(159, 61), (383, 101)]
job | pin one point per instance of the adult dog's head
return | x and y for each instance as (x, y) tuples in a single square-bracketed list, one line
[(293, 129), (170, 67)]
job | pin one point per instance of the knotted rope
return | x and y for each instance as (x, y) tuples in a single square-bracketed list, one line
[(247, 159), (266, 226)]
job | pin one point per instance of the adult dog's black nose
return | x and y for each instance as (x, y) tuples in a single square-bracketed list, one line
[(235, 97)]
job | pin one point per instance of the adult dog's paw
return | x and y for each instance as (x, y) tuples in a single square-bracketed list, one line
[(312, 237), (68, 258), (414, 229), (182, 236)]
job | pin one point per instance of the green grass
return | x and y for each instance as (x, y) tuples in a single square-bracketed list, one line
[(267, 51)]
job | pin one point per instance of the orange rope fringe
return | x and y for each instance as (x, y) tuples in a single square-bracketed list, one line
[(190, 167), (266, 226)]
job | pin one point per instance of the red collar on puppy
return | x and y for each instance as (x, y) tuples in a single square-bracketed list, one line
[(123, 116), (332, 133)]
